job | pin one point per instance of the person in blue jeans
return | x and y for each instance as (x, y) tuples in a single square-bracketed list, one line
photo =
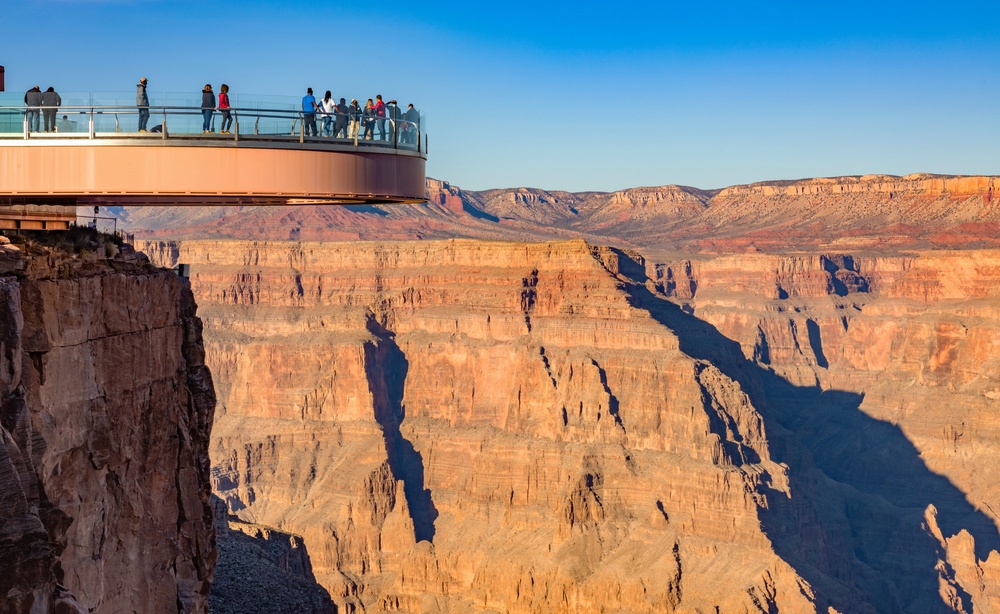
[(142, 102), (207, 108), (33, 100), (326, 108), (309, 113)]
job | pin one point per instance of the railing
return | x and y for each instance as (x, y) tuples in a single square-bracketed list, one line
[(251, 124)]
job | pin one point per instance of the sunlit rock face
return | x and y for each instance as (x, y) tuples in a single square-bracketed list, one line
[(557, 427), (107, 408), (903, 355)]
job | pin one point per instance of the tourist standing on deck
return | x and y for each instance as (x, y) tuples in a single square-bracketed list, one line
[(65, 125), (309, 112), (412, 117), (50, 103), (327, 106), (142, 101), (340, 125), (207, 108), (380, 114), (368, 120), (354, 118), (33, 99), (227, 116), (393, 113)]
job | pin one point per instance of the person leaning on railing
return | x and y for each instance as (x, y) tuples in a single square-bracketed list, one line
[(142, 102)]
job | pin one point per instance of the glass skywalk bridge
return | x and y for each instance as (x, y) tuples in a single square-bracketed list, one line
[(97, 156)]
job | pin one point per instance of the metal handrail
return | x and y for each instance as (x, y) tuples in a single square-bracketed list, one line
[(397, 132)]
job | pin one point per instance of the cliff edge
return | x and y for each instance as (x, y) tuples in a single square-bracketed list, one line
[(105, 413)]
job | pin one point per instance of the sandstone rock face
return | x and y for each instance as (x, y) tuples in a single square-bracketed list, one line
[(462, 426), (907, 350), (107, 408), (557, 427)]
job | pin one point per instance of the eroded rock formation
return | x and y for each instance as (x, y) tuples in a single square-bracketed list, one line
[(106, 411), (480, 426)]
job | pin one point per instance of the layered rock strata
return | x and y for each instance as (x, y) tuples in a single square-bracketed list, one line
[(463, 426), (106, 411), (470, 426), (903, 355)]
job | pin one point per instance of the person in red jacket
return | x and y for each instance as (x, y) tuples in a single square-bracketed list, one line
[(380, 117), (227, 118)]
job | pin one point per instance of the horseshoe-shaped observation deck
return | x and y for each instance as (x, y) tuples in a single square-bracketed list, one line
[(97, 156)]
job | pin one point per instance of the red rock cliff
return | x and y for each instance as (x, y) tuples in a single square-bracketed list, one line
[(106, 414)]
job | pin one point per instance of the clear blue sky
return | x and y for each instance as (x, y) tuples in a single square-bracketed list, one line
[(574, 95)]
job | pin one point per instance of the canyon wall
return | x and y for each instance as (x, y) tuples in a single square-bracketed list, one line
[(558, 427), (106, 411)]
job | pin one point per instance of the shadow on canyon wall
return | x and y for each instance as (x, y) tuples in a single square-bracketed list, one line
[(854, 523), (387, 368)]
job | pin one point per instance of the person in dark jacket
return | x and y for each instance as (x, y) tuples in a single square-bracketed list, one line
[(354, 120), (368, 120), (412, 118), (142, 102), (341, 119), (50, 103), (207, 108), (33, 100)]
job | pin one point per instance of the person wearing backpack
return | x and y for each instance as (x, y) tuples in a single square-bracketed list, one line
[(354, 118)]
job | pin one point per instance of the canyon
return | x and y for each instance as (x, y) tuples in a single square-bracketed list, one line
[(757, 417), (773, 397)]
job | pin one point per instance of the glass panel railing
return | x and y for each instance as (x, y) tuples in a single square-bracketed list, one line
[(104, 114)]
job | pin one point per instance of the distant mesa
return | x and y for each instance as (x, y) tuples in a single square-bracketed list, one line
[(881, 213)]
